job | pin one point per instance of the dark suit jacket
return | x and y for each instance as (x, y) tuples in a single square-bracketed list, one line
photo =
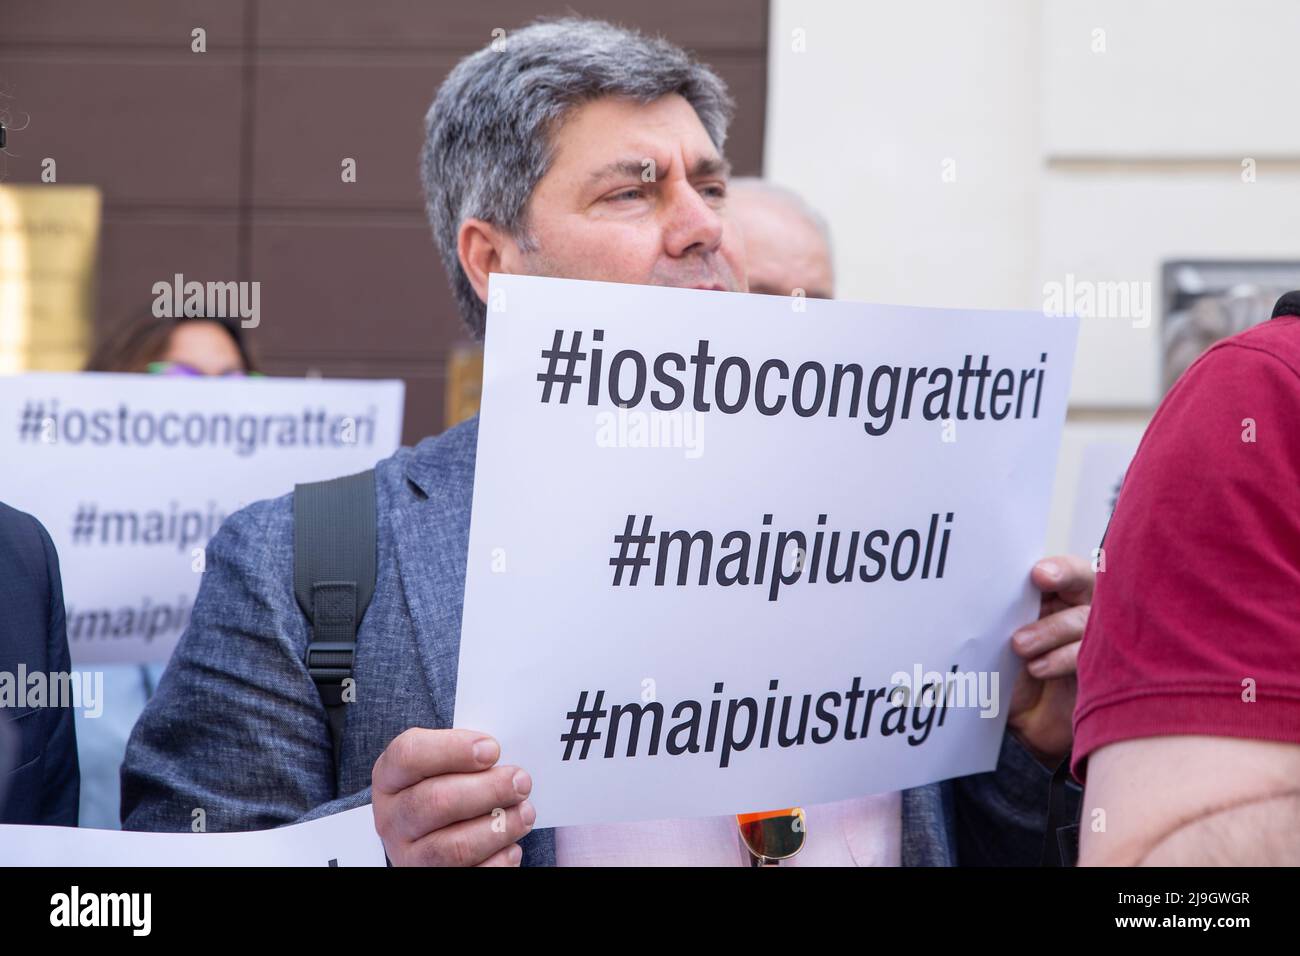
[(44, 785)]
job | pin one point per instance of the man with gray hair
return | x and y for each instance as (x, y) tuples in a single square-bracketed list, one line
[(584, 151), (576, 149)]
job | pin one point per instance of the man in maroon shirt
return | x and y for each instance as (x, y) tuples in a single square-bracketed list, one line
[(1188, 717)]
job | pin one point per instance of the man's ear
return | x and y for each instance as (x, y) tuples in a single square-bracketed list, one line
[(480, 246)]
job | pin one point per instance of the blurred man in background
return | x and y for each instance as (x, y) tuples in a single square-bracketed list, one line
[(787, 242)]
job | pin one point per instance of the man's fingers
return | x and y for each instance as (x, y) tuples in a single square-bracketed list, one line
[(472, 842), (1067, 575), (512, 855), (1055, 630), (442, 801), (1050, 604), (1061, 662), (418, 753)]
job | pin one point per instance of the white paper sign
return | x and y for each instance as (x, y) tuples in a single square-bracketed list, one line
[(344, 839), (132, 474), (731, 419), (1100, 476)]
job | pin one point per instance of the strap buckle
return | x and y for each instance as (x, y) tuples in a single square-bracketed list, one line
[(330, 662)]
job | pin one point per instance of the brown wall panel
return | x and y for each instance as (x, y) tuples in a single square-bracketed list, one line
[(311, 113), (164, 23), (157, 129), (135, 252), (351, 287), (716, 24)]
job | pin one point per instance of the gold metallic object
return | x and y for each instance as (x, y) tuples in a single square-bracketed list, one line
[(464, 383), (49, 239)]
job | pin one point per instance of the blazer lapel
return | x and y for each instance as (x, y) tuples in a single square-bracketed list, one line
[(431, 538)]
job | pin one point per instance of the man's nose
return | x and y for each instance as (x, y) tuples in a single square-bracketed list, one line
[(690, 224)]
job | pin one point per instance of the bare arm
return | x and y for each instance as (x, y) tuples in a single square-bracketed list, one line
[(1192, 801)]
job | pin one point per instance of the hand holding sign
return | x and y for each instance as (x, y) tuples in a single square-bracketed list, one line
[(1042, 702), (440, 801)]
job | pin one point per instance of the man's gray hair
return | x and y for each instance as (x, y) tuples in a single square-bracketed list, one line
[(488, 133)]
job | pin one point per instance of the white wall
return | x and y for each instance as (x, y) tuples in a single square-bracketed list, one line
[(862, 121), (1081, 153)]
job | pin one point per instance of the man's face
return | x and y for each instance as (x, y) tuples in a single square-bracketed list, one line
[(783, 249), (635, 193)]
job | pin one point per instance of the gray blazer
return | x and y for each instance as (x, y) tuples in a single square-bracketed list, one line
[(237, 729)]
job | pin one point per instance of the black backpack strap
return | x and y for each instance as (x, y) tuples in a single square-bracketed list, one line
[(334, 568)]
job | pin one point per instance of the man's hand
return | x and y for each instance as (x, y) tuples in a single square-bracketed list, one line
[(439, 801), (1042, 702)]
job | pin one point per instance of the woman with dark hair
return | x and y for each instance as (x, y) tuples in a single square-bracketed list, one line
[(191, 345), (195, 346)]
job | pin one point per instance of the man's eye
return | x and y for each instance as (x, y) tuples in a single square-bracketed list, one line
[(714, 191), (624, 195)]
